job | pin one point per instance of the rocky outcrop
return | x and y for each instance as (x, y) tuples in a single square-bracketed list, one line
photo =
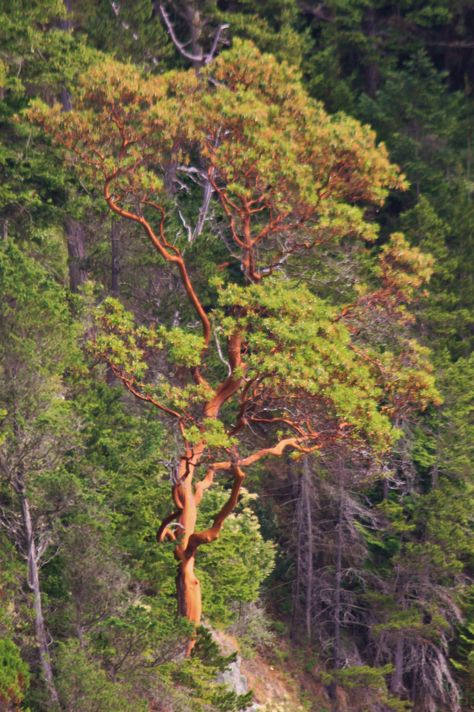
[(236, 681)]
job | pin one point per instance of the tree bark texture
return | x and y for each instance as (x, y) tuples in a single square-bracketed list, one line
[(187, 499)]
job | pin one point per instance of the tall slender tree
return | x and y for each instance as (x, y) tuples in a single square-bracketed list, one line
[(36, 347)]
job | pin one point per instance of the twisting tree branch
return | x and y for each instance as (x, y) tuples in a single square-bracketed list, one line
[(160, 243)]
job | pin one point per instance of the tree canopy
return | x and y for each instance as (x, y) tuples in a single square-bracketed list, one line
[(228, 318)]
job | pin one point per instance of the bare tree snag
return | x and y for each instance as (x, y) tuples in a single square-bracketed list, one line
[(75, 238), (34, 584), (193, 20), (396, 681), (302, 598)]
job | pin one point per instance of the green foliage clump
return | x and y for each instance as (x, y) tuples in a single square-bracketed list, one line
[(234, 568), (294, 338), (85, 687), (14, 675)]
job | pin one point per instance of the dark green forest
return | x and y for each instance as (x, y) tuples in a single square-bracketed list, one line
[(236, 355)]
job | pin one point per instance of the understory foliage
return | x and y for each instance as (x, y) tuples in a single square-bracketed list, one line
[(236, 352)]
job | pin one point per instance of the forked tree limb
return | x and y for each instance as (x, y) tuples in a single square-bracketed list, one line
[(160, 245), (131, 386), (164, 532), (212, 533), (202, 58), (202, 486), (297, 443)]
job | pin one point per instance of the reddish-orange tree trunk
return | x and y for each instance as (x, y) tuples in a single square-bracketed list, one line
[(187, 499)]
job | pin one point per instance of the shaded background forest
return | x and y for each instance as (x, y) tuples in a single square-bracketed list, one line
[(361, 579)]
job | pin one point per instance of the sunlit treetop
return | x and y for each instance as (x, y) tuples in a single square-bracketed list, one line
[(287, 175)]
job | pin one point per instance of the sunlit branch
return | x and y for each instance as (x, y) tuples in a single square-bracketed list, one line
[(164, 532), (130, 385), (211, 534), (297, 443), (163, 251), (203, 485)]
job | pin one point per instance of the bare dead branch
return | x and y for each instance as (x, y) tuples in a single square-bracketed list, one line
[(181, 47)]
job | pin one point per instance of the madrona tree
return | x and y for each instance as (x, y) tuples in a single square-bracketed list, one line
[(255, 364)]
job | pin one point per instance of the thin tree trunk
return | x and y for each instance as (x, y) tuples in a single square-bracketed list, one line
[(309, 548), (303, 589), (396, 682), (76, 250), (75, 237), (194, 21), (187, 499), (188, 587), (34, 584), (372, 73), (337, 607), (298, 583), (333, 687), (115, 257)]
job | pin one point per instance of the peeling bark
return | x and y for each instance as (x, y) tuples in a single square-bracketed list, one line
[(187, 498)]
